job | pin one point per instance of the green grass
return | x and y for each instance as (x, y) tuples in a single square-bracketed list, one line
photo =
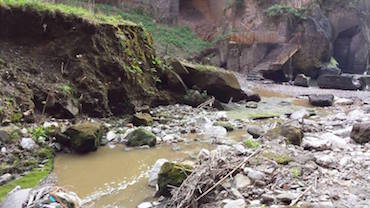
[(31, 179), (168, 39), (40, 6), (251, 143)]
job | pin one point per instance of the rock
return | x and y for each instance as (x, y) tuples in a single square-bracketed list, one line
[(145, 205), (357, 115), (3, 150), (239, 203), (203, 155), (4, 137), (215, 131), (171, 174), (170, 138), (365, 82), (221, 84), (326, 161), (251, 104), (85, 137), (334, 141), (142, 119), (194, 98), (28, 144), (254, 174), (16, 199), (5, 178), (111, 135), (343, 82), (286, 197), (153, 174), (9, 133), (141, 137), (228, 126), (361, 133), (241, 181), (298, 115), (321, 100), (310, 143), (343, 101), (329, 71), (293, 134), (255, 131), (302, 80), (267, 199)]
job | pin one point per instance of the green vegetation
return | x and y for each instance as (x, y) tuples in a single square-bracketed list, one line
[(333, 63), (67, 89), (41, 6), (282, 159), (278, 10), (295, 172), (252, 143), (31, 179), (168, 39), (39, 132)]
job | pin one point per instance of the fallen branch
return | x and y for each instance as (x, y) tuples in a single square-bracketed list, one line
[(300, 196), (229, 174)]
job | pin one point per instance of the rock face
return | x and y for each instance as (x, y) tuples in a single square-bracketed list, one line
[(84, 137), (221, 84), (321, 100), (141, 137), (171, 174), (343, 82), (361, 133), (80, 66), (302, 80)]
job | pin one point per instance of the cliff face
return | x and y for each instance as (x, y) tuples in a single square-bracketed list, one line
[(65, 64)]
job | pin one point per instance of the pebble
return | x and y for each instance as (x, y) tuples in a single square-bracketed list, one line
[(111, 135), (267, 199), (241, 181), (203, 154), (3, 150), (255, 131)]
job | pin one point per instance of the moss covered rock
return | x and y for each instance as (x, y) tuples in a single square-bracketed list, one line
[(172, 174), (141, 137), (293, 134), (142, 119), (85, 137)]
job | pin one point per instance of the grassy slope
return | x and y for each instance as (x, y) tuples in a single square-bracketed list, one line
[(169, 40)]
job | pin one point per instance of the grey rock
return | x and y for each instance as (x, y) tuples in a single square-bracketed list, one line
[(153, 174), (5, 178), (343, 82), (298, 115), (302, 80), (287, 197), (251, 104), (15, 199), (241, 181), (254, 174), (361, 133), (255, 131), (321, 100), (267, 199)]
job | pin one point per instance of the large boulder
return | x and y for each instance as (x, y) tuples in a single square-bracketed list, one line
[(361, 133), (293, 134), (172, 175), (321, 100), (84, 137), (141, 137), (221, 84), (343, 82)]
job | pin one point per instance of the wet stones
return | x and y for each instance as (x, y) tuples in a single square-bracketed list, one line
[(343, 82), (228, 126), (321, 100), (172, 175), (302, 80), (255, 131), (141, 137), (84, 137), (361, 133)]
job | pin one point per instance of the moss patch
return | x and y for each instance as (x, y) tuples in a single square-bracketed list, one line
[(31, 179)]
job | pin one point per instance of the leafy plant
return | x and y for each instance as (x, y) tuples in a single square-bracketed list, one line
[(252, 143), (39, 132), (16, 117), (67, 89), (278, 10)]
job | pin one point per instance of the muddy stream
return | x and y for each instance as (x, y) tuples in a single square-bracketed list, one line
[(115, 177)]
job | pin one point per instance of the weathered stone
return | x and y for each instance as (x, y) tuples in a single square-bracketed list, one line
[(321, 100), (241, 181), (171, 174), (221, 84), (142, 119), (5, 178), (251, 104), (84, 137), (141, 137), (329, 71), (293, 134), (302, 80), (287, 197), (254, 174), (343, 82), (153, 174), (361, 133), (194, 98), (299, 115)]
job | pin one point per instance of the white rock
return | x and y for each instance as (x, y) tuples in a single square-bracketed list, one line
[(343, 132), (111, 135), (342, 101), (28, 143), (241, 181), (170, 138), (334, 141), (315, 143), (203, 154), (215, 131), (240, 148), (239, 203), (254, 174), (356, 115), (298, 115), (24, 132), (153, 174), (50, 124), (3, 150), (325, 160), (5, 178), (145, 205)]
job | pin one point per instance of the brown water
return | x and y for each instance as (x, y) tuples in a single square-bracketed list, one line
[(114, 177)]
